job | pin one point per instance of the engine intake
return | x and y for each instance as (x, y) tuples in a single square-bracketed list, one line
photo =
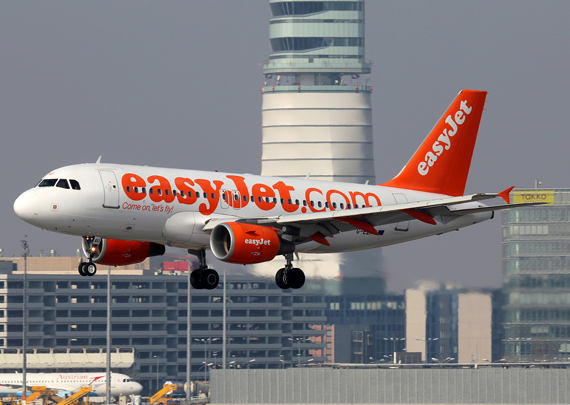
[(115, 252), (235, 242)]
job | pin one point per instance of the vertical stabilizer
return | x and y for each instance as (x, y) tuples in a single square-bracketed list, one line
[(441, 164)]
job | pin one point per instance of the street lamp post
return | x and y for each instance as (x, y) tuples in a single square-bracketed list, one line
[(427, 345), (394, 340), (188, 336), (519, 345), (157, 387), (25, 254), (298, 339), (205, 342)]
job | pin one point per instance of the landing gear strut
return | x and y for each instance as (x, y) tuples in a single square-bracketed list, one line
[(89, 268), (289, 276), (203, 277)]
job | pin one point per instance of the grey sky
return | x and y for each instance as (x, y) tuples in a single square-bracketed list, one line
[(176, 84)]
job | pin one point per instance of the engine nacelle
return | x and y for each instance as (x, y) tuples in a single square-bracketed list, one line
[(114, 252), (235, 242)]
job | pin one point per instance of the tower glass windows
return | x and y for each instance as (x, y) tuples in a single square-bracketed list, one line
[(285, 8)]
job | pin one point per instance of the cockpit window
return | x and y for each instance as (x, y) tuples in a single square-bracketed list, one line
[(75, 184), (47, 183), (62, 183)]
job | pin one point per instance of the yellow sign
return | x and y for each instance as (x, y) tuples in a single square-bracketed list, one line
[(533, 196)]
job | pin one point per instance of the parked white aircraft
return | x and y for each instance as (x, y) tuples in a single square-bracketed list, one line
[(70, 382), (128, 213)]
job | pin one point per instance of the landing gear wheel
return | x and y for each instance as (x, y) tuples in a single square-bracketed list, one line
[(195, 280), (295, 278), (210, 279), (89, 269), (81, 269), (279, 279), (289, 276)]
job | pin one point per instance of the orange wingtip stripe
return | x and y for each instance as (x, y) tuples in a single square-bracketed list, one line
[(359, 225), (505, 194), (320, 238), (421, 216)]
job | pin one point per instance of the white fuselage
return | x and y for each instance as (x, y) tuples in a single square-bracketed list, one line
[(136, 202), (121, 384)]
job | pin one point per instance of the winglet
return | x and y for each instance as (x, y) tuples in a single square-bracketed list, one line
[(505, 194), (99, 160)]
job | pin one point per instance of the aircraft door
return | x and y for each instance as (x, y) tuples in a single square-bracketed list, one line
[(110, 189), (401, 199)]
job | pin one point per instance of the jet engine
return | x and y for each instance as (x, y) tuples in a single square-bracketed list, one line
[(116, 252), (241, 243)]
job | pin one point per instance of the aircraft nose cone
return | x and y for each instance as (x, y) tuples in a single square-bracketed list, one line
[(27, 206), (137, 388)]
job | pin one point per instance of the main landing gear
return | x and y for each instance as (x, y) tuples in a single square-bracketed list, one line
[(203, 277), (289, 276), (88, 268)]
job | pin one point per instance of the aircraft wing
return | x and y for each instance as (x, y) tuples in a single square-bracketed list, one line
[(329, 223)]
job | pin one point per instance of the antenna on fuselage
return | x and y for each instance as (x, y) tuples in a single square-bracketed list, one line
[(98, 160), (308, 176)]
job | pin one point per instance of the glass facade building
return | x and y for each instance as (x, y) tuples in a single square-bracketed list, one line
[(373, 326), (536, 270)]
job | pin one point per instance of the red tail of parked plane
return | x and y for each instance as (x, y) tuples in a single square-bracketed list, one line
[(441, 164)]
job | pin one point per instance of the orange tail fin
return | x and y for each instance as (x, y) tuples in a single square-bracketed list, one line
[(441, 164)]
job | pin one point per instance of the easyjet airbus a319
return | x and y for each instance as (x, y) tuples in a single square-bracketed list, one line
[(127, 213)]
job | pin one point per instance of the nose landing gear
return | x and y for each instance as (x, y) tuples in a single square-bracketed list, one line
[(203, 277), (89, 268), (289, 276)]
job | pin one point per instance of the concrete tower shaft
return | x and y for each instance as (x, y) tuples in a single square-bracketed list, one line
[(326, 133)]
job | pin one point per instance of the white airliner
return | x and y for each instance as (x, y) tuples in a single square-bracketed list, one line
[(70, 383), (127, 213)]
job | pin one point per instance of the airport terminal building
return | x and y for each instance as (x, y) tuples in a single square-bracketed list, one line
[(266, 327)]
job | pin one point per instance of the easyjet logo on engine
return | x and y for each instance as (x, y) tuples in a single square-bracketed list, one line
[(443, 142), (258, 242)]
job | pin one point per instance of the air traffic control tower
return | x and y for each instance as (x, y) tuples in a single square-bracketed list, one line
[(316, 112)]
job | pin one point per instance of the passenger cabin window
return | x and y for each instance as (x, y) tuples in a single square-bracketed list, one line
[(62, 183), (74, 184), (47, 183)]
